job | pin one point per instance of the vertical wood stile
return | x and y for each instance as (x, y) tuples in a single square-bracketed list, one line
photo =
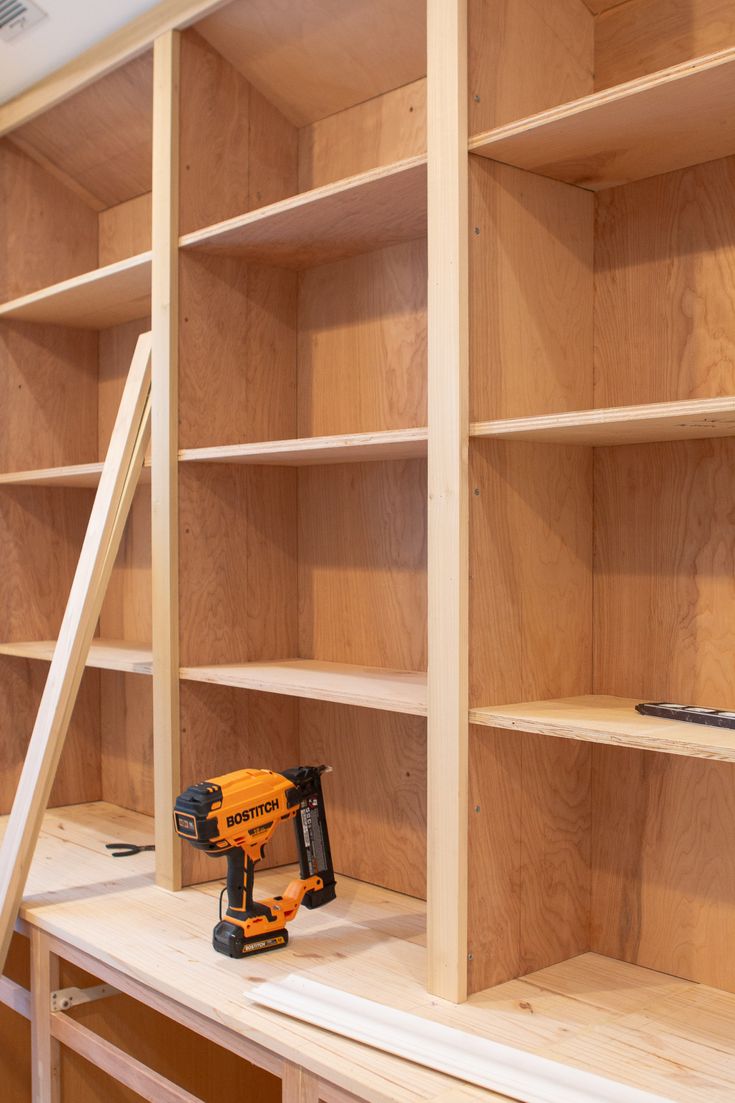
[(448, 514), (164, 474), (45, 1050)]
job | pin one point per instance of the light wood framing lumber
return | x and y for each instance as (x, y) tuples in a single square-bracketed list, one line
[(117, 485), (164, 476), (45, 1052), (448, 513)]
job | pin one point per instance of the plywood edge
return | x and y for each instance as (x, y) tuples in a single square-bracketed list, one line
[(610, 720), (618, 92), (306, 201), (130, 658), (82, 475), (661, 421), (393, 444), (503, 143), (366, 687), (104, 296)]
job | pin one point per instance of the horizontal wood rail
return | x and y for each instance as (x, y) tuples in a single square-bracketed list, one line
[(15, 996)]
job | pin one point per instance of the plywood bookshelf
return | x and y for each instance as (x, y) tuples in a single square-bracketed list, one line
[(443, 447)]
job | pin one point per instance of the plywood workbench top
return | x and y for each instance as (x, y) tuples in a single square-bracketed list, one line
[(664, 1034)]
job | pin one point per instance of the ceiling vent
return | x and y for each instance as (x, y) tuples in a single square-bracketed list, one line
[(18, 16)]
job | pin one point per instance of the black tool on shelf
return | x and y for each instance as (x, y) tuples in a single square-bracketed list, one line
[(692, 714)]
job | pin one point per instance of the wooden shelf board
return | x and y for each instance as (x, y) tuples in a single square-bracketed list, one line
[(591, 1011), (395, 444), (368, 687), (677, 117), (690, 420), (131, 658), (95, 300), (613, 720), (356, 215), (75, 475)]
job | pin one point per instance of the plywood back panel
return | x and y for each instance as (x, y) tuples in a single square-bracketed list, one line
[(126, 740), (525, 56), (237, 151), (378, 132), (238, 339), (664, 584), (663, 886), (376, 794), (665, 287), (531, 288), (125, 230), (529, 863), (530, 572), (101, 137), (126, 612), (47, 233), (362, 564), (313, 58), (643, 36), (238, 534), (48, 396), (362, 343), (224, 729), (78, 778)]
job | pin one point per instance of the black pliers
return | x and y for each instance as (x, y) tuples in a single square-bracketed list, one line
[(125, 850)]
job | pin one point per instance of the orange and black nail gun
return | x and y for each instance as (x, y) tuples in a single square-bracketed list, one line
[(236, 815)]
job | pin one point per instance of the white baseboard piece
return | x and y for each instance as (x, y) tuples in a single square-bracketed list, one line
[(513, 1072)]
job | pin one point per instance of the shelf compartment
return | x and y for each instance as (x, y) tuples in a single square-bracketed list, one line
[(612, 720), (375, 209), (674, 118), (95, 300), (82, 475), (592, 1011), (394, 444), (367, 687), (130, 658), (661, 421)]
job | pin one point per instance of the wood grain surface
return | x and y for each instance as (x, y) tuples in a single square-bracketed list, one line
[(101, 137), (665, 288), (34, 211), (378, 786), (367, 48), (238, 337), (362, 564), (389, 128), (525, 56), (530, 572), (642, 36), (362, 343), (531, 293)]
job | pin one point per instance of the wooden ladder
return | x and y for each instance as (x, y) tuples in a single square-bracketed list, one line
[(118, 481)]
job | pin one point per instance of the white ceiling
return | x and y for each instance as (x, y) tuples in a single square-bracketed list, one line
[(72, 26)]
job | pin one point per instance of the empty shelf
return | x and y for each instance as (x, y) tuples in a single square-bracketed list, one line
[(677, 117), (131, 658), (356, 215), (396, 444), (599, 719), (661, 421), (95, 300), (78, 474), (369, 687)]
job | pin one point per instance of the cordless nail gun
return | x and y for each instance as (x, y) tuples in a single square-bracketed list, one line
[(236, 815)]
